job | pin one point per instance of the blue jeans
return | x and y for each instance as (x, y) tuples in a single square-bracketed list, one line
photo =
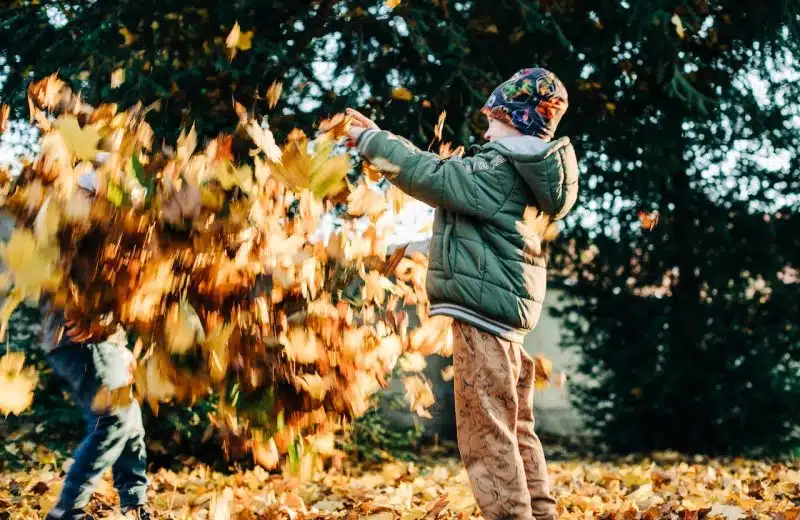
[(114, 440)]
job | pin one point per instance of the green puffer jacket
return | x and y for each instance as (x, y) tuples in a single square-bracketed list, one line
[(479, 270)]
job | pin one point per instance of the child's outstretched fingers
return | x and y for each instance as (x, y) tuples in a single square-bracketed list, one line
[(360, 120)]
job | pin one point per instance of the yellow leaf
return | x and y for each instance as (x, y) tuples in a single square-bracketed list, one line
[(327, 175), (391, 4), (402, 94), (212, 197), (16, 383), (82, 142), (129, 37), (77, 208), (233, 36), (222, 505), (237, 39), (419, 395), (114, 194), (448, 373), (375, 287), (107, 399), (187, 142), (229, 176), (47, 92), (32, 266), (432, 336), (183, 328), (301, 345), (245, 41), (314, 385), (265, 454), (678, 23), (274, 93), (412, 362), (366, 201), (384, 515), (117, 78), (45, 226), (611, 107), (216, 347), (544, 369), (437, 131), (10, 304), (265, 141)]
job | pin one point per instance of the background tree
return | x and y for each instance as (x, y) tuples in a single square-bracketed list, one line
[(687, 330)]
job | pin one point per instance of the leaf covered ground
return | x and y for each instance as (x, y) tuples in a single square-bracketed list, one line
[(434, 487)]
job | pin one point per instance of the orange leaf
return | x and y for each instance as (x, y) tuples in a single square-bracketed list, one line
[(402, 94)]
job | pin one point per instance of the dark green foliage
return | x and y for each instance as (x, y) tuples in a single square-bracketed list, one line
[(660, 98)]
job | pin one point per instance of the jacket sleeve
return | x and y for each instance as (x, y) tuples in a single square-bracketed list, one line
[(462, 185), (556, 190)]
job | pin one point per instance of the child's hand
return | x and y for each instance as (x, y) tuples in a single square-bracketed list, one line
[(358, 125), (360, 120)]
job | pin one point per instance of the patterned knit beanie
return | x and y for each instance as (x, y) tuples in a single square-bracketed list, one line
[(532, 101)]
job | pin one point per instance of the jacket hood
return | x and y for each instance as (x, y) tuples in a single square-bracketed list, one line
[(550, 169)]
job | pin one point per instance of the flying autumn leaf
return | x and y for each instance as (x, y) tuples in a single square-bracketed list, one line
[(314, 385), (445, 152), (448, 373), (82, 142), (47, 92), (402, 94), (544, 371), (365, 200), (264, 141), (678, 23), (233, 37), (16, 383), (274, 93), (437, 131), (649, 220), (337, 126), (419, 395), (183, 328), (117, 78), (391, 4), (4, 111), (32, 267), (238, 40), (128, 36)]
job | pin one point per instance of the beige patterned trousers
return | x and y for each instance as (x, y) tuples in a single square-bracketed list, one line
[(494, 420)]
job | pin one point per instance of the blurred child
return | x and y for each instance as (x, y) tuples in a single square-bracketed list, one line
[(115, 435)]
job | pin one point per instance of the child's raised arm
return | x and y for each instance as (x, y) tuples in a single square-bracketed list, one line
[(468, 185)]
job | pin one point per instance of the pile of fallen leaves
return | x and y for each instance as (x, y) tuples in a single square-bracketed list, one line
[(663, 486), (211, 258)]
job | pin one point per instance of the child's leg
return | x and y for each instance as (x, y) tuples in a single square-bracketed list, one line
[(130, 469), (86, 368), (486, 371), (542, 503)]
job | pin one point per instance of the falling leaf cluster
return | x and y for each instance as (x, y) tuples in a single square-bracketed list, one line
[(210, 257)]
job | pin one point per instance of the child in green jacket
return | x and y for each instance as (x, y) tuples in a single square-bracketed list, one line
[(487, 270)]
